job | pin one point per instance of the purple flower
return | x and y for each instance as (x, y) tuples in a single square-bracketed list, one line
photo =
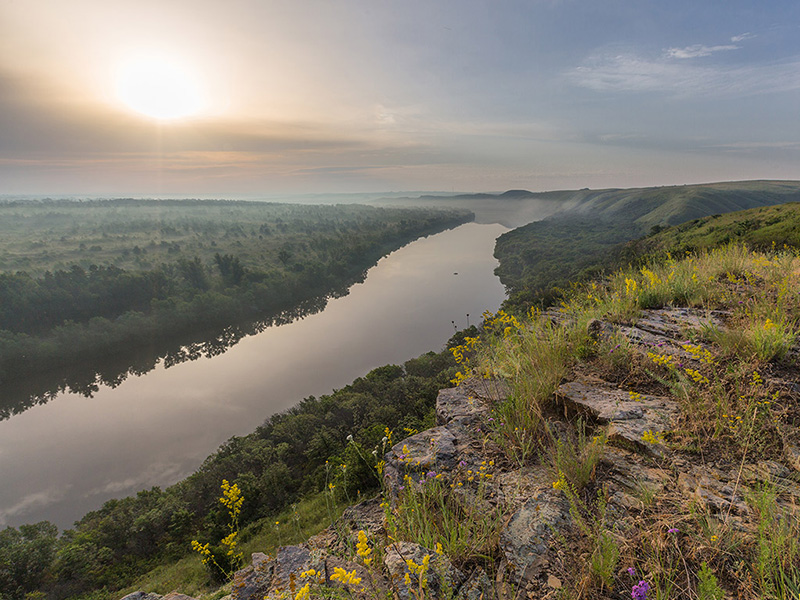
[(631, 571), (461, 463), (639, 591), (430, 474), (672, 530)]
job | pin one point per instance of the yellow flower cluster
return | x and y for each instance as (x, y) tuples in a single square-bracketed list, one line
[(304, 593), (664, 360), (652, 278), (560, 484), (500, 320), (699, 353), (733, 422), (653, 437), (229, 542), (231, 497), (630, 287), (203, 550), (363, 549), (419, 570), (345, 577), (697, 377), (635, 396)]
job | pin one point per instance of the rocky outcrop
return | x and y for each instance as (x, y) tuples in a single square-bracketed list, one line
[(635, 469)]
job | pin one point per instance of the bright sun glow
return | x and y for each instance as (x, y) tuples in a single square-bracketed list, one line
[(159, 88)]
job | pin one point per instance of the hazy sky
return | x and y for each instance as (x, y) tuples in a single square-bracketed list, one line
[(368, 95)]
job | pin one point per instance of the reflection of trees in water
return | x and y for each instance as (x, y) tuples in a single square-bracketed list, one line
[(110, 371)]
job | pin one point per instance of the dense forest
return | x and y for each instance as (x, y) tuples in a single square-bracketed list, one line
[(92, 291)]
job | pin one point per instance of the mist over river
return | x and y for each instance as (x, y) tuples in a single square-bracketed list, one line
[(61, 459)]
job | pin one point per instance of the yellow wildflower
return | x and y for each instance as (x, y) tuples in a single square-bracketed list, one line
[(346, 577)]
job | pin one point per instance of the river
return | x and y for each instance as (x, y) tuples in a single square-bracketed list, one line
[(61, 459)]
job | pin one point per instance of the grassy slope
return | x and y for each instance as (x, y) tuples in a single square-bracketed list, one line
[(576, 241), (757, 227)]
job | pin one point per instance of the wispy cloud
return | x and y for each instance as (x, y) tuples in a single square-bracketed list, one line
[(698, 50), (629, 72), (756, 146), (742, 37), (31, 502)]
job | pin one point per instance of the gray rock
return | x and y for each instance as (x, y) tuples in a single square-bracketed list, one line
[(526, 539), (672, 322), (792, 454), (476, 587), (635, 483), (514, 488), (141, 596), (289, 563), (430, 450), (255, 580), (628, 419), (176, 596), (459, 403), (715, 490)]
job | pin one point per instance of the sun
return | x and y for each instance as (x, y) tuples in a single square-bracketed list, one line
[(160, 88)]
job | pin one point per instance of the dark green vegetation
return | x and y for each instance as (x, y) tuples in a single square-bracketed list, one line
[(540, 259), (292, 455), (92, 291)]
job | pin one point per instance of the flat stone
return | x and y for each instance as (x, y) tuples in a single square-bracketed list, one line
[(714, 490), (792, 454), (526, 539), (628, 419), (514, 488), (634, 478), (674, 322), (459, 403)]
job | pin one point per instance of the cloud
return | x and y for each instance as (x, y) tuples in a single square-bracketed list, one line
[(698, 50), (742, 37), (756, 146), (629, 72), (31, 502)]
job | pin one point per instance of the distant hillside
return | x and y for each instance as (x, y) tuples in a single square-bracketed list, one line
[(646, 207), (580, 238)]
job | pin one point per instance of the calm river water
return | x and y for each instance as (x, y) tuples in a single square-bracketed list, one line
[(64, 458)]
